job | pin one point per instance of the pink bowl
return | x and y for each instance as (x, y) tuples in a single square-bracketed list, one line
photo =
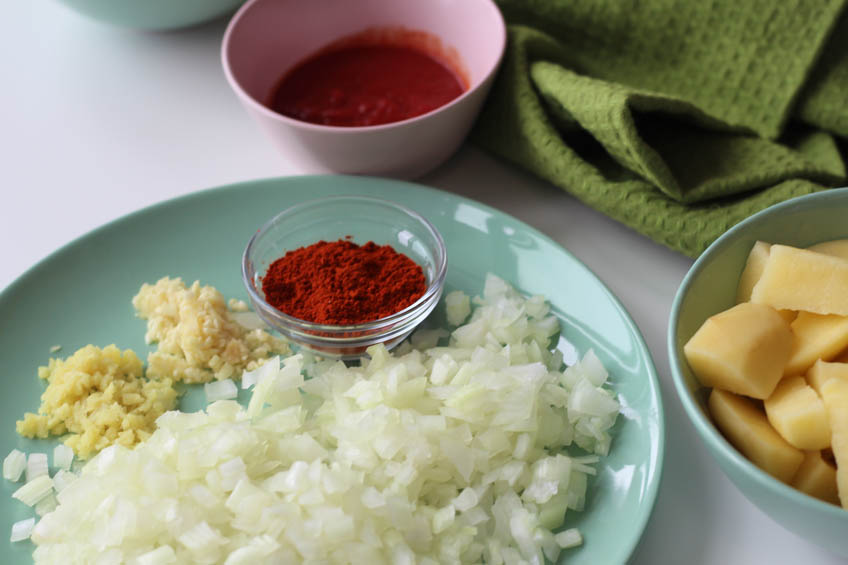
[(268, 37)]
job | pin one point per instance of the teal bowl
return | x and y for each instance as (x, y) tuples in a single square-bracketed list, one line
[(710, 287), (154, 14)]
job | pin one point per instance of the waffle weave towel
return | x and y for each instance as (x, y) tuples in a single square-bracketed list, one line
[(676, 118)]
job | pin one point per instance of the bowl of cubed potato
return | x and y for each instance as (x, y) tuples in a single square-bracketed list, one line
[(758, 348)]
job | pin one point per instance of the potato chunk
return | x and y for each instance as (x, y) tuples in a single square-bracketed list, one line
[(799, 279), (742, 350), (835, 248), (746, 427), (817, 336), (817, 478), (834, 392), (822, 371), (797, 413), (753, 270)]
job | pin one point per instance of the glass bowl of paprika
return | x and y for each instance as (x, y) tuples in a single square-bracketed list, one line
[(339, 274)]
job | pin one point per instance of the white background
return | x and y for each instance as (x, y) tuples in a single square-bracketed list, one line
[(96, 122)]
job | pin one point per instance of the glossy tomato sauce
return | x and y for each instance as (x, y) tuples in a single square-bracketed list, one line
[(365, 85)]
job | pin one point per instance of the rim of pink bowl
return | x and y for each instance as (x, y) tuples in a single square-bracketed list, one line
[(353, 129)]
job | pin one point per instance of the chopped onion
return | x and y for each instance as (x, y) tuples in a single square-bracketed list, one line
[(63, 456), (14, 465), (429, 454), (162, 555), (46, 504), (569, 538), (62, 478), (269, 367), (34, 490), (22, 529), (457, 307), (220, 390), (36, 466), (249, 320)]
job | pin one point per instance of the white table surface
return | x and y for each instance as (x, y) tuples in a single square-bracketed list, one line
[(96, 122)]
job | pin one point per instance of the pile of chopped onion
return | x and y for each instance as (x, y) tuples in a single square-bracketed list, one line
[(449, 454)]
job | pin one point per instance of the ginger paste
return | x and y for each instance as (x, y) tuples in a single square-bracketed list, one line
[(100, 397)]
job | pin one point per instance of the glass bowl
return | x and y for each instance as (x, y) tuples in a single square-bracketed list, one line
[(361, 219)]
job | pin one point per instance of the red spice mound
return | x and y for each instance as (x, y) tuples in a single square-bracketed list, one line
[(342, 283)]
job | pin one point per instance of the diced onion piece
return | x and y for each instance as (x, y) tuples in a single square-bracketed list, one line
[(249, 320), (426, 338), (220, 390), (36, 466), (14, 465), (466, 500), (593, 369), (63, 456), (34, 490), (22, 529), (443, 518), (62, 479), (569, 538), (46, 504), (457, 307), (162, 555)]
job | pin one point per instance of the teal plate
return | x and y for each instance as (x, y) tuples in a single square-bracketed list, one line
[(81, 294)]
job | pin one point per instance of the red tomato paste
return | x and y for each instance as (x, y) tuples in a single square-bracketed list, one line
[(365, 85)]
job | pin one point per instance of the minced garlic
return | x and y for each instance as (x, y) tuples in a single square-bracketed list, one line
[(197, 338), (100, 397)]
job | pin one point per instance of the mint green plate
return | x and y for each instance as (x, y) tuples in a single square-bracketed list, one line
[(81, 294)]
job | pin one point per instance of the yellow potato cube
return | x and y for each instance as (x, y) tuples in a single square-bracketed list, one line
[(753, 269), (797, 413), (788, 315), (799, 279), (817, 478), (834, 392), (746, 427), (822, 371), (817, 336), (742, 350), (835, 248)]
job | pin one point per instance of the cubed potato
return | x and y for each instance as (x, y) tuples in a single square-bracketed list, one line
[(753, 269), (742, 350), (836, 248), (817, 336), (834, 392), (799, 279), (797, 413), (817, 478), (788, 315), (745, 426), (822, 371)]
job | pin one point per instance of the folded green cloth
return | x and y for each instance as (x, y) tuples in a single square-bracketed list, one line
[(677, 118)]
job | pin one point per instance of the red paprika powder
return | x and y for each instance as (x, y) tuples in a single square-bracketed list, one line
[(342, 283)]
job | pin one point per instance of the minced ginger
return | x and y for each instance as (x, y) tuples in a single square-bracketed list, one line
[(197, 338), (103, 396), (100, 397)]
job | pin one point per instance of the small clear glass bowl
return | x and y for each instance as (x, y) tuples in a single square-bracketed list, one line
[(363, 219)]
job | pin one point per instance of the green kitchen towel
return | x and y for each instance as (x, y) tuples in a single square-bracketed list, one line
[(677, 118)]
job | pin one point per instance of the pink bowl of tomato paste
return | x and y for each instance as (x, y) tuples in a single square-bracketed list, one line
[(339, 274), (378, 87)]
